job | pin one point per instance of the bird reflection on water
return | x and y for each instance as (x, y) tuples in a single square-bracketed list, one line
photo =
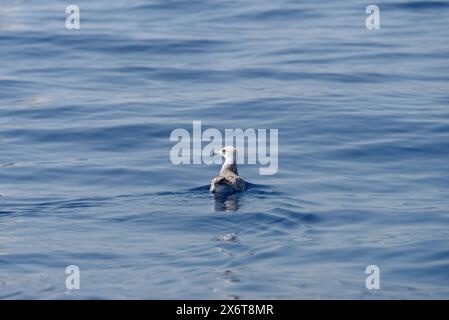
[(228, 202)]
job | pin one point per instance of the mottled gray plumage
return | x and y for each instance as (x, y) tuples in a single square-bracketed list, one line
[(229, 179)]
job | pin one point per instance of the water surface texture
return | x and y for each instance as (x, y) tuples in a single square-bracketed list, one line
[(85, 171)]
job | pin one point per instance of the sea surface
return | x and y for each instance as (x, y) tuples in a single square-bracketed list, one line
[(85, 171)]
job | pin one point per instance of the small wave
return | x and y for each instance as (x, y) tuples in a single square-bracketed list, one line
[(4, 165), (249, 186), (199, 189), (6, 213), (413, 5), (297, 216)]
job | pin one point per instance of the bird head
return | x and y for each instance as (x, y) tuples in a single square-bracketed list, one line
[(229, 153)]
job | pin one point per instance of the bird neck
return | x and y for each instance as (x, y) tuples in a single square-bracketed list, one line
[(229, 167)]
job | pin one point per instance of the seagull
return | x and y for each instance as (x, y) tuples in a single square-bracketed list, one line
[(229, 179)]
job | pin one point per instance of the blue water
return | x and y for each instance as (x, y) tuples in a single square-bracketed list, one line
[(85, 171)]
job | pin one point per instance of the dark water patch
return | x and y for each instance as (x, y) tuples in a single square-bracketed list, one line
[(179, 6), (106, 138), (418, 5), (277, 14), (359, 77), (6, 213), (394, 151), (167, 47)]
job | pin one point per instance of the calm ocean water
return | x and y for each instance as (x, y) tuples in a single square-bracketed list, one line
[(86, 177)]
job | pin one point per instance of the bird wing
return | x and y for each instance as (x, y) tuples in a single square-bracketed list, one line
[(232, 180)]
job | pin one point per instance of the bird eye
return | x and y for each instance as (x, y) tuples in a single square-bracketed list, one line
[(224, 151)]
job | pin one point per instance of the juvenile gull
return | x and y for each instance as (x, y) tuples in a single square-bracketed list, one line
[(228, 180)]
